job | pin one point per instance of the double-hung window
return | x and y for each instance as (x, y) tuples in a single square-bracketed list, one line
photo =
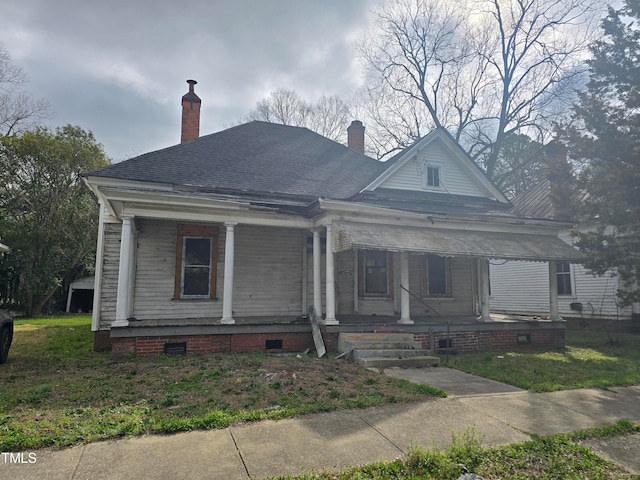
[(375, 273), (196, 262), (431, 177), (563, 273), (437, 276)]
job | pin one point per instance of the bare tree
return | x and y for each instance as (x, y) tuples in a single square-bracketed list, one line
[(329, 116), (483, 69), (19, 111)]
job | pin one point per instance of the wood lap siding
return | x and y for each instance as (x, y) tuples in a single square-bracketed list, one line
[(267, 273), (155, 273), (460, 303), (111, 262)]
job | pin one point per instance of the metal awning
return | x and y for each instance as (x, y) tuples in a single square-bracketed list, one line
[(454, 243)]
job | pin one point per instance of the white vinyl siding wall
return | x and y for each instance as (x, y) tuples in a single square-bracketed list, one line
[(453, 178), (523, 288)]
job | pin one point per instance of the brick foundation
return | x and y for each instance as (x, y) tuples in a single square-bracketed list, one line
[(436, 340), (291, 342), (495, 340)]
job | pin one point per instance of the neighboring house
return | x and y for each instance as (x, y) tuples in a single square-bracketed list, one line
[(522, 287), (224, 242)]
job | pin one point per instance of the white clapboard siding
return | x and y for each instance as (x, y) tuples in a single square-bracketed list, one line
[(110, 264), (519, 287), (155, 272), (267, 273), (523, 288), (454, 178)]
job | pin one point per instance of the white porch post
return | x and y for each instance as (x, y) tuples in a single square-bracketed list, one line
[(330, 318), (227, 296), (317, 274), (123, 301), (483, 271), (405, 316), (554, 316)]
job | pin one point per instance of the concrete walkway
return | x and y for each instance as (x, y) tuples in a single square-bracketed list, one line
[(498, 412)]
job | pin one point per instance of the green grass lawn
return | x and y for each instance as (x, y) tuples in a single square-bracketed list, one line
[(590, 359), (57, 392)]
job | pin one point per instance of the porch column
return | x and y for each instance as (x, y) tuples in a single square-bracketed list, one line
[(317, 274), (483, 271), (123, 300), (330, 294), (404, 294), (227, 296), (554, 316)]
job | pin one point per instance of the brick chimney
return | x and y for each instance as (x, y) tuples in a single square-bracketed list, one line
[(355, 136), (190, 114)]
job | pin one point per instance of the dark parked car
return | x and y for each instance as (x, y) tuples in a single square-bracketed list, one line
[(6, 334)]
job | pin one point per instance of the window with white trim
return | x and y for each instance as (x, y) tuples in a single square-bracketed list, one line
[(431, 177)]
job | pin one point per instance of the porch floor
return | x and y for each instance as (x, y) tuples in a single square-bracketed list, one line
[(346, 320)]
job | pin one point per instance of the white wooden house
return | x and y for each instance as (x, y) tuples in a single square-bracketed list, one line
[(225, 241), (522, 287)]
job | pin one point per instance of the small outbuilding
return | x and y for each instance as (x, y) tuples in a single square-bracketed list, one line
[(80, 295)]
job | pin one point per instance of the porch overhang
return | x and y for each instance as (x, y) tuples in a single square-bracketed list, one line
[(455, 243)]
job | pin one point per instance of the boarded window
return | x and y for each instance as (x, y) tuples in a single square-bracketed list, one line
[(196, 262), (564, 278)]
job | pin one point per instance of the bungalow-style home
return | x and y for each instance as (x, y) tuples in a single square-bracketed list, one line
[(226, 242), (522, 287)]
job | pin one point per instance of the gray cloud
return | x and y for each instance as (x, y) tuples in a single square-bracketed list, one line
[(119, 68)]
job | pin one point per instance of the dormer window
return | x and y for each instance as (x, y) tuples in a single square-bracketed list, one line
[(431, 177)]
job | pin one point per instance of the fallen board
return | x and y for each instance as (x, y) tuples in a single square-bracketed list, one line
[(317, 335)]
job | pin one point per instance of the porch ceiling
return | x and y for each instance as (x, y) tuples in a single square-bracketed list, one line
[(455, 243)]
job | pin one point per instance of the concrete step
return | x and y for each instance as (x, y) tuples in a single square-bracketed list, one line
[(372, 341), (408, 362), (388, 353), (380, 345)]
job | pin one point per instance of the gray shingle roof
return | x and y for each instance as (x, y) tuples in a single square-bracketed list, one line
[(255, 157)]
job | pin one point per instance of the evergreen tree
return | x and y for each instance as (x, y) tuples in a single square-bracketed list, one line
[(605, 137)]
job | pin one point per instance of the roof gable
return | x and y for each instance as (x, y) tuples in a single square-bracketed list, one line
[(255, 157), (458, 174)]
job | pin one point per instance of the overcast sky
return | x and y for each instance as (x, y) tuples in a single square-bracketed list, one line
[(119, 67)]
